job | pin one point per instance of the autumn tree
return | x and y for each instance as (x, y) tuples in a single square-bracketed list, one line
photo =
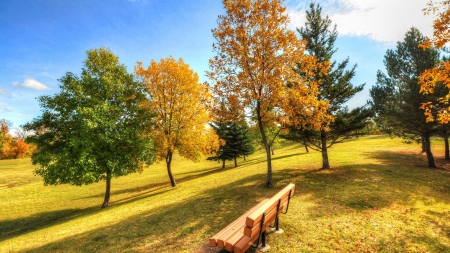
[(441, 25), (335, 87), (6, 139), (396, 96), (181, 104), (94, 128), (438, 75), (256, 62), (19, 148)]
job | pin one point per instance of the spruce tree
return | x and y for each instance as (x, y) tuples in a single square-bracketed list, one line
[(335, 88), (236, 142)]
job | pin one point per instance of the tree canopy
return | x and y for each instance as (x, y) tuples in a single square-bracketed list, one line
[(335, 88), (437, 77), (181, 104), (256, 65), (396, 96), (236, 141), (94, 128)]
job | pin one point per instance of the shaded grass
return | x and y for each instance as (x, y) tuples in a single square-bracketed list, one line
[(378, 197)]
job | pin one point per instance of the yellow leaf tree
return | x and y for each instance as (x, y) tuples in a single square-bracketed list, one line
[(440, 74), (256, 65), (181, 105)]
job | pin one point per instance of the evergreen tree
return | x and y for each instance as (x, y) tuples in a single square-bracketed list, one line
[(236, 139), (335, 88), (396, 97), (246, 147)]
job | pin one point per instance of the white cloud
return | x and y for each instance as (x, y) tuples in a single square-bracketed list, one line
[(47, 75), (2, 91), (31, 83), (380, 20)]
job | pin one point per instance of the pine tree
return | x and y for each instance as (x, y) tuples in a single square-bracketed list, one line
[(335, 88), (236, 142), (396, 96)]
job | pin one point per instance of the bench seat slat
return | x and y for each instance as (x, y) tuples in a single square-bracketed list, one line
[(233, 240), (256, 216), (220, 238), (244, 244)]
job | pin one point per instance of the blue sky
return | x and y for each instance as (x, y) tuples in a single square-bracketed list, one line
[(41, 40)]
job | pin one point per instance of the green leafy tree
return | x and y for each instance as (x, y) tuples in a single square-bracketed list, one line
[(94, 128), (335, 88), (396, 97)]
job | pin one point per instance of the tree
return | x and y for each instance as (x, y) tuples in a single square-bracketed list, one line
[(236, 142), (19, 149), (182, 111), (256, 63), (396, 96), (438, 75), (5, 137), (22, 134), (335, 88), (441, 32), (94, 128)]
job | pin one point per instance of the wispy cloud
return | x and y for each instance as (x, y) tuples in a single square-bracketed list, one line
[(2, 91), (31, 83), (47, 74), (380, 20), (3, 108)]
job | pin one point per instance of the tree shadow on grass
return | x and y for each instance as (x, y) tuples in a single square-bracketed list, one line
[(397, 178), (166, 228), (19, 226), (15, 227), (140, 190), (353, 188)]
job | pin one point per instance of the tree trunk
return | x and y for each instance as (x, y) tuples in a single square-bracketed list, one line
[(306, 146), (223, 164), (424, 145), (245, 158), (266, 145), (108, 189), (273, 153), (235, 162), (323, 138), (169, 170), (426, 138), (447, 152)]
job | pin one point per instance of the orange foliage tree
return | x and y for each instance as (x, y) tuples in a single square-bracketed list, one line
[(440, 74), (181, 105), (11, 148), (256, 65), (5, 139), (20, 149)]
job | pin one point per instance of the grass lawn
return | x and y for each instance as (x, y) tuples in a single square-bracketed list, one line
[(379, 196)]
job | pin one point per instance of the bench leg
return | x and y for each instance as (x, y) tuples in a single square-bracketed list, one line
[(264, 246), (276, 229)]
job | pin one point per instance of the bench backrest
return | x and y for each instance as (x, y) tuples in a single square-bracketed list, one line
[(269, 210), (220, 239)]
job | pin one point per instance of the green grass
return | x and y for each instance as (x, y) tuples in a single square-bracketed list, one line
[(379, 196)]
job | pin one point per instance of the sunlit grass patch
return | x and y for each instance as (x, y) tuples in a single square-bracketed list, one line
[(379, 196)]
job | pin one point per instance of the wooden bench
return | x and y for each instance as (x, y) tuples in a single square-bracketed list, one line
[(241, 234)]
